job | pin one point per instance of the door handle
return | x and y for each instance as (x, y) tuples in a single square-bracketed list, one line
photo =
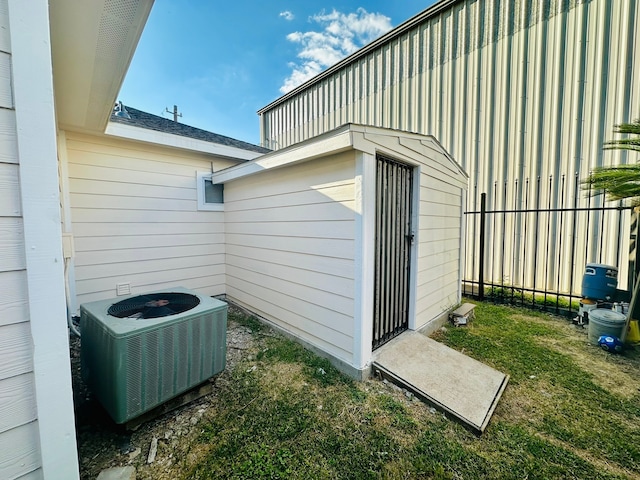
[(410, 236)]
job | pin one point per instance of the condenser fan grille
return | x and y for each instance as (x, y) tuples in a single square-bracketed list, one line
[(153, 305)]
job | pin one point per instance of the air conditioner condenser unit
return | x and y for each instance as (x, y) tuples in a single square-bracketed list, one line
[(139, 352)]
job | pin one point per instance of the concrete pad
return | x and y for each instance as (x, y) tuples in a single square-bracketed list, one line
[(118, 473), (451, 381)]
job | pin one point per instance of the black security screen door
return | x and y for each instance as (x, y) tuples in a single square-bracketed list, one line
[(393, 249)]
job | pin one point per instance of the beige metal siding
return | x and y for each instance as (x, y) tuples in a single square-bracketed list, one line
[(290, 250), (135, 220), (19, 452), (512, 89)]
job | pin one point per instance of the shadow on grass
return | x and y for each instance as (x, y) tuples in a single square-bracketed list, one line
[(295, 416)]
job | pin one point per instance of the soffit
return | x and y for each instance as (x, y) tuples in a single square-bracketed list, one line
[(92, 44)]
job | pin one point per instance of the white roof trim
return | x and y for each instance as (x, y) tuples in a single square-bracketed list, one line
[(348, 137), (332, 142), (178, 141)]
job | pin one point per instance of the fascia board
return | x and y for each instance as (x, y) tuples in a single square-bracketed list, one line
[(375, 139), (177, 141), (339, 141)]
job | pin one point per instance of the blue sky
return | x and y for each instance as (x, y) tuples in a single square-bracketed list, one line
[(220, 62)]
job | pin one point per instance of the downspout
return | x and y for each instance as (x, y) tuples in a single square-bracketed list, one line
[(74, 330)]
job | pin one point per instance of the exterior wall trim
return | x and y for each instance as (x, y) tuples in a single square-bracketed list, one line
[(413, 261), (364, 258), (36, 135), (366, 139), (177, 141)]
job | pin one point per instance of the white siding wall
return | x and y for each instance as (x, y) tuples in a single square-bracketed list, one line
[(439, 235), (135, 220), (512, 89), (439, 191), (19, 452), (290, 249), (37, 435)]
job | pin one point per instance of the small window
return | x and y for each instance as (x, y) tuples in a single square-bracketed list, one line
[(210, 195)]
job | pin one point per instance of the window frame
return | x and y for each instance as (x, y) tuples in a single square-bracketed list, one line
[(203, 205)]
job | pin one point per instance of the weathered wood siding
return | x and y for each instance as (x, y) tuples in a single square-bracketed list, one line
[(19, 451), (290, 250), (513, 89), (135, 219)]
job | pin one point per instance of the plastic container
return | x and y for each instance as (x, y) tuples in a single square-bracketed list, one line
[(633, 334), (603, 321), (586, 305), (599, 282)]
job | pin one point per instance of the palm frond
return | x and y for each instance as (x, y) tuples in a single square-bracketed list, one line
[(630, 128), (618, 182)]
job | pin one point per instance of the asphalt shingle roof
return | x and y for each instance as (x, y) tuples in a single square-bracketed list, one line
[(154, 122)]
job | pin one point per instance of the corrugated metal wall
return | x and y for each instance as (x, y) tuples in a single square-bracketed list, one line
[(515, 89)]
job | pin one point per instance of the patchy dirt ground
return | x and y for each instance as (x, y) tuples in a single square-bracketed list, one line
[(103, 444)]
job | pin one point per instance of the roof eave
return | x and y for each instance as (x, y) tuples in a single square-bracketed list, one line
[(363, 138), (92, 45), (155, 137), (333, 142)]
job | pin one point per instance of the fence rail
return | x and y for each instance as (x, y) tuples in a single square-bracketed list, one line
[(530, 244)]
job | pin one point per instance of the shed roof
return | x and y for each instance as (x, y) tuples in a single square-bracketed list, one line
[(367, 139), (160, 124)]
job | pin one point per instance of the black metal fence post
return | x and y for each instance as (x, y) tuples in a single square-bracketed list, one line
[(483, 210), (543, 259)]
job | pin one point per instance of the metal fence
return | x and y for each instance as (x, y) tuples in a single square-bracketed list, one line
[(529, 244)]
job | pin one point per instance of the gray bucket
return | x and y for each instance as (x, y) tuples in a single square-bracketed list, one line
[(603, 321)]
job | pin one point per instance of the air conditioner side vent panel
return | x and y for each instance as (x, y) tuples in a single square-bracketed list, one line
[(132, 366)]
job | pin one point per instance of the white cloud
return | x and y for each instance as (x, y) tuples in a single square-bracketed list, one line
[(287, 15), (341, 35)]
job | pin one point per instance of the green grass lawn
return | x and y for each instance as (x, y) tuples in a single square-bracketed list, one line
[(570, 411)]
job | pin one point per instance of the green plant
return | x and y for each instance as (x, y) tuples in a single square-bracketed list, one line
[(516, 296), (569, 411)]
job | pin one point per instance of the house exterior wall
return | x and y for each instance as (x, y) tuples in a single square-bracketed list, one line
[(18, 412), (290, 250), (514, 90), (134, 218), (37, 435)]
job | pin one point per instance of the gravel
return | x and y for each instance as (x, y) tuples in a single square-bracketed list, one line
[(103, 444)]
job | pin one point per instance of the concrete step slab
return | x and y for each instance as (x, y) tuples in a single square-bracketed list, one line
[(459, 385)]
